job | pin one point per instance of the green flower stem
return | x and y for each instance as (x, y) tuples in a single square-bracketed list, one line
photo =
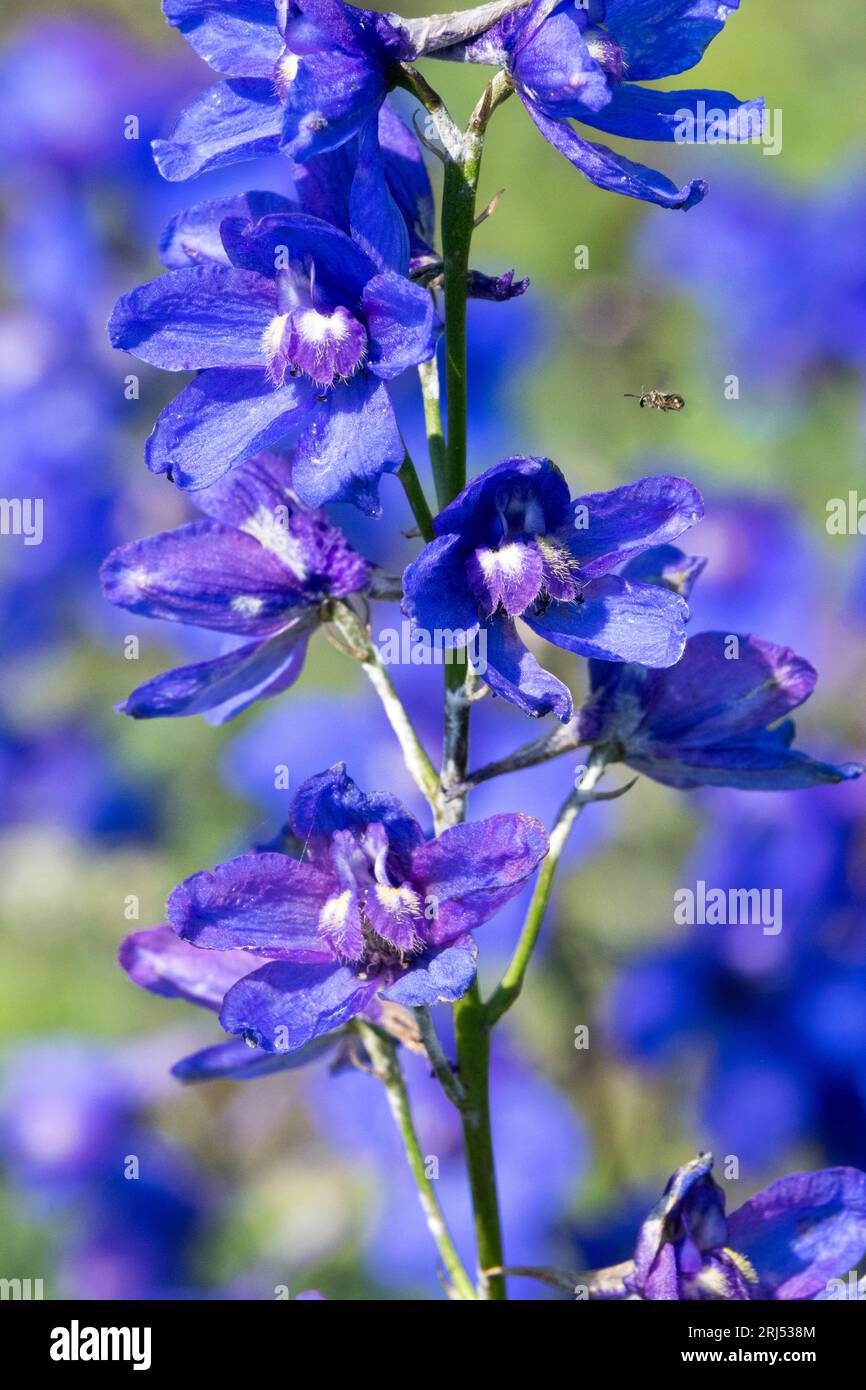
[(416, 498), (509, 987), (428, 373), (383, 1054), (450, 1083), (473, 1061), (355, 639), (471, 1028)]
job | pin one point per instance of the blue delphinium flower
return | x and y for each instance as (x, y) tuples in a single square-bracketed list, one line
[(714, 719), (515, 544), (300, 331), (259, 568), (787, 1242), (303, 76), (374, 914), (570, 61)]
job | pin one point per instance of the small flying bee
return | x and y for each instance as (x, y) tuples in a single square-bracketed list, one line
[(657, 400)]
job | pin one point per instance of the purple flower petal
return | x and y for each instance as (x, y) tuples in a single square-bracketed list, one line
[(225, 686), (157, 960), (401, 322), (513, 672), (285, 1005), (627, 520), (206, 574), (221, 419), (238, 38), (351, 440), (437, 976), (474, 869), (230, 121), (266, 903), (803, 1231), (617, 621), (611, 171), (206, 316)]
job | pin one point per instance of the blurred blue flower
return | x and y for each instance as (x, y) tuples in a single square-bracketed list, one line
[(775, 1019), (778, 274), (75, 1141)]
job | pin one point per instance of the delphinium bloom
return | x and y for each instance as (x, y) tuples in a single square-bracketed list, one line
[(570, 61), (515, 545), (788, 1242), (374, 914), (718, 717), (300, 332), (259, 569), (303, 76)]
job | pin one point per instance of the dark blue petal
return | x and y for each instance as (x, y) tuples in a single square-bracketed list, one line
[(644, 113), (331, 801), (351, 440), (556, 69), (401, 322), (614, 172), (221, 419), (341, 268), (231, 121), (662, 39), (513, 672), (436, 977), (238, 38), (283, 1006), (331, 79), (377, 224), (193, 235), (437, 596), (223, 687), (237, 1061), (206, 316), (617, 621)]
